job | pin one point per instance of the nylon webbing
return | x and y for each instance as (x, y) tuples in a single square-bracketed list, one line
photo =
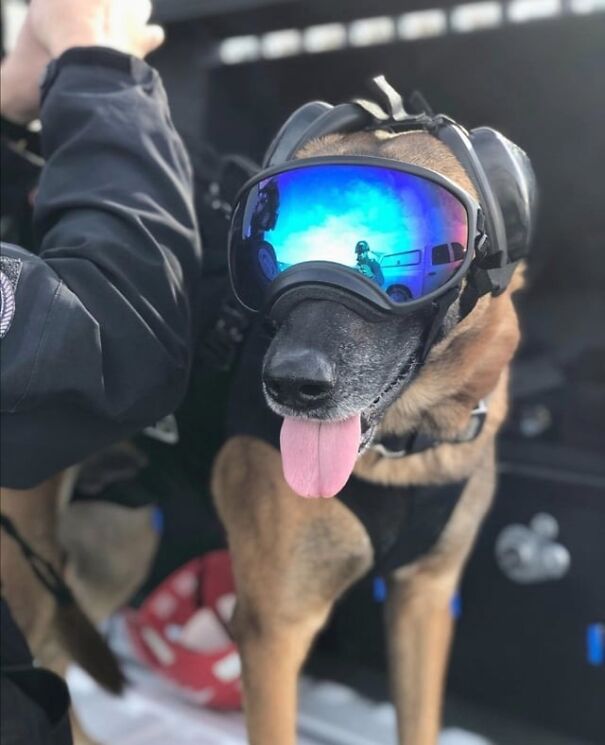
[(42, 568)]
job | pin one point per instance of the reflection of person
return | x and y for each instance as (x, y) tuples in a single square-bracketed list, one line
[(97, 329), (368, 266), (266, 210)]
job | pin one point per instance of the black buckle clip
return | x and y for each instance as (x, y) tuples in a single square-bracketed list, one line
[(219, 349)]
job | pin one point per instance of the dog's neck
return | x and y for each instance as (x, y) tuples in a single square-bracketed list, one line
[(469, 365)]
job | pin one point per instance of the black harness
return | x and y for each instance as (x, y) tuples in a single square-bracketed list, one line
[(403, 522)]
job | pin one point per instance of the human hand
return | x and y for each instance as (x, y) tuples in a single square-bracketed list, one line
[(118, 24), (20, 77)]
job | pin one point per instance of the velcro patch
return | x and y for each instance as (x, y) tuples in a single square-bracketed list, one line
[(10, 269)]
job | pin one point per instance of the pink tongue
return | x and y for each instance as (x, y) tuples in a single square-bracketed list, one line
[(318, 457)]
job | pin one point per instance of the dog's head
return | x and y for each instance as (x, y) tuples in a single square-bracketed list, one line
[(332, 371), (348, 344)]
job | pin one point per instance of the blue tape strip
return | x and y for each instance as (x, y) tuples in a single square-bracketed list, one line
[(456, 606), (595, 644), (379, 590), (157, 520)]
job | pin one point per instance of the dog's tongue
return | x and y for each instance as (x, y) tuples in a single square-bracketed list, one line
[(319, 457)]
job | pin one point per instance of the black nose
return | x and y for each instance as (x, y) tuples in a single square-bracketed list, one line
[(299, 378)]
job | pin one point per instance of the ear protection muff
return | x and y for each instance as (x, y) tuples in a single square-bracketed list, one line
[(315, 119), (506, 185), (285, 142), (513, 184), (500, 171)]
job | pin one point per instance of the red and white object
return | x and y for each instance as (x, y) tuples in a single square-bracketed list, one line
[(180, 631)]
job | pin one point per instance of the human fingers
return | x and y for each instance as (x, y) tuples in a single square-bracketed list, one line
[(153, 37)]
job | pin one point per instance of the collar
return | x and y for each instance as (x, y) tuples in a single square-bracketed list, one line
[(398, 446)]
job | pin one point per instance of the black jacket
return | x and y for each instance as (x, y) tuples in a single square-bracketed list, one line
[(98, 326)]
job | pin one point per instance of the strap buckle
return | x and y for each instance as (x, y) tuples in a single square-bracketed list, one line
[(219, 348)]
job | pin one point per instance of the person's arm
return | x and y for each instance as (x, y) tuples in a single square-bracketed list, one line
[(98, 329)]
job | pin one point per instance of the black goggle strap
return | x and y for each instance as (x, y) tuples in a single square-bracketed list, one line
[(318, 119)]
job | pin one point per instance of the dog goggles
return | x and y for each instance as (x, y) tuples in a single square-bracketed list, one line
[(394, 233)]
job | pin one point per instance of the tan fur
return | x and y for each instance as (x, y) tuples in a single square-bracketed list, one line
[(293, 557)]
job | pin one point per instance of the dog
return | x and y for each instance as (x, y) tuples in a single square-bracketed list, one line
[(322, 362)]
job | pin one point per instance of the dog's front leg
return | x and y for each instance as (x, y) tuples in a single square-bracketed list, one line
[(292, 558), (419, 618), (419, 630), (272, 651)]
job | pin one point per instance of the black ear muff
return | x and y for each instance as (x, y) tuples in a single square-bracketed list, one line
[(346, 117), (513, 185), (286, 141), (505, 182), (315, 119)]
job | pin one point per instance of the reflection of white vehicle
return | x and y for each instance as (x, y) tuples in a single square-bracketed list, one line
[(408, 275)]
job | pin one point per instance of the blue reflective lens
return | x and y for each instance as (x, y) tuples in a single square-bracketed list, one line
[(406, 233)]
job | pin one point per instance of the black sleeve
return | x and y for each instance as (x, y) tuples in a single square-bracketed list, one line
[(98, 327)]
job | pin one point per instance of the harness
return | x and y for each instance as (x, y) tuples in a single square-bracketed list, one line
[(403, 522)]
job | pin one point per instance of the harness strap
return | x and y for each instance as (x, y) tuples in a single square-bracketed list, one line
[(219, 347), (43, 569), (403, 522)]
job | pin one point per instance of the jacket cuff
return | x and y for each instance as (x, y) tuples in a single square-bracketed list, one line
[(104, 57)]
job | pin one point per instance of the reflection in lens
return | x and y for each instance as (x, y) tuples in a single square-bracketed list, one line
[(403, 232)]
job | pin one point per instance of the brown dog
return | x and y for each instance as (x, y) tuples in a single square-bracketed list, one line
[(293, 558)]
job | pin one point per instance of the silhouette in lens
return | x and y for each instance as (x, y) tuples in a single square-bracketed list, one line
[(259, 262), (368, 266)]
